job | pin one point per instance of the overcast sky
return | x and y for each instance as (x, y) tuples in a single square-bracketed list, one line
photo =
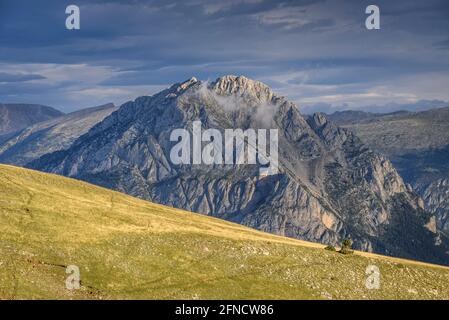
[(317, 53)]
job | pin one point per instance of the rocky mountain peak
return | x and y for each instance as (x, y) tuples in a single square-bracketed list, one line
[(329, 186), (318, 120), (186, 84), (179, 88), (244, 87)]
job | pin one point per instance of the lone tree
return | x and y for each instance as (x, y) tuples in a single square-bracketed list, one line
[(346, 246)]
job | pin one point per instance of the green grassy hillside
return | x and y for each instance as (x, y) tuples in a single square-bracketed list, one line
[(132, 249)]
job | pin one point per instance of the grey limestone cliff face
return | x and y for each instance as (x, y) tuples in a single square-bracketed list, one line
[(329, 186), (436, 197), (417, 143)]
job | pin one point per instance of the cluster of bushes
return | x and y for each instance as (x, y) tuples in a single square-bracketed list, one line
[(345, 247)]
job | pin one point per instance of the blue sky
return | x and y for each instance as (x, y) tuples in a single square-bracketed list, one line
[(317, 53)]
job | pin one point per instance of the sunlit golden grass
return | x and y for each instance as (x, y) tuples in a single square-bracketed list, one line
[(133, 249)]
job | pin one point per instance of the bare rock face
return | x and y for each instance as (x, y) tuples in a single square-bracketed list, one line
[(436, 197), (418, 145), (330, 185), (243, 87)]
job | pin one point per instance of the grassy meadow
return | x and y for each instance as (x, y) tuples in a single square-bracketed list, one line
[(128, 248)]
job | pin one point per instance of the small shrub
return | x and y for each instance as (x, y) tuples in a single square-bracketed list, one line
[(346, 243), (330, 248), (346, 251), (346, 247)]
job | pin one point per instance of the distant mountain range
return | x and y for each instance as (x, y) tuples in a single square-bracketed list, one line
[(330, 184), (14, 117), (52, 135), (418, 145)]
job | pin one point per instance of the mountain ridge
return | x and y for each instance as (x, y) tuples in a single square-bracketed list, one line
[(16, 116), (325, 170), (418, 145), (52, 135)]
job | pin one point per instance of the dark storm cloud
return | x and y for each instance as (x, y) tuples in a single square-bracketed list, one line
[(442, 44), (306, 49), (10, 77)]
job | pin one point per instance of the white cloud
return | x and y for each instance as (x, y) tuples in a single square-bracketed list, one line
[(73, 86), (213, 7), (403, 89)]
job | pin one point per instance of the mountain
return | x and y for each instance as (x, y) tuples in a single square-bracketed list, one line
[(52, 135), (418, 145), (403, 132), (126, 248), (329, 185), (356, 116), (14, 117)]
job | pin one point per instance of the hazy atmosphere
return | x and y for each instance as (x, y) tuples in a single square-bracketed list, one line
[(317, 53)]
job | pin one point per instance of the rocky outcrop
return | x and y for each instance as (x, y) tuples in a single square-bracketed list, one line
[(436, 197), (418, 145), (329, 186)]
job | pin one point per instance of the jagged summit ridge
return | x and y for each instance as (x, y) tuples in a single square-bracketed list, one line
[(240, 87), (243, 86), (186, 84)]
